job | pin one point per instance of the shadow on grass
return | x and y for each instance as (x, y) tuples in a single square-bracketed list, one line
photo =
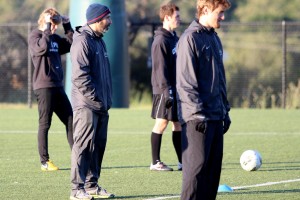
[(64, 169), (147, 166), (124, 167)]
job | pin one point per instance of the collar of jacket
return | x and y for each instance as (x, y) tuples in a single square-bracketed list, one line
[(87, 29), (163, 31), (203, 28)]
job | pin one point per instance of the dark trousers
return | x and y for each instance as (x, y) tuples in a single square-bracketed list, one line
[(202, 155), (52, 100), (90, 136)]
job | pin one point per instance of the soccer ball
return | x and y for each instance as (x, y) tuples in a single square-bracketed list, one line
[(251, 160)]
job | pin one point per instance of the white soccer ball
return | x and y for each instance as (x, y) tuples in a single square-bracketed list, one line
[(251, 160)]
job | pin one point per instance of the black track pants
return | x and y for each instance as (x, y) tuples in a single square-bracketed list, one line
[(202, 160), (52, 100)]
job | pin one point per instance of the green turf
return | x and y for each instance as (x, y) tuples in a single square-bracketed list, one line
[(274, 133)]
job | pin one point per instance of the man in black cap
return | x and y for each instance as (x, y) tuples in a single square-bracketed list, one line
[(91, 98)]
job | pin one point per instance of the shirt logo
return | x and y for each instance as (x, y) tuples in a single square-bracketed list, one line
[(53, 47), (174, 50)]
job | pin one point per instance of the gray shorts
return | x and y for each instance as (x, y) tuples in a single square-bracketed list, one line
[(159, 109)]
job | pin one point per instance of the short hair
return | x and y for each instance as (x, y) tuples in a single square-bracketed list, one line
[(167, 9), (55, 16), (212, 4)]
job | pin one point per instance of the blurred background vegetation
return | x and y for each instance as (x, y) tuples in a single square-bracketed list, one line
[(251, 37), (144, 10)]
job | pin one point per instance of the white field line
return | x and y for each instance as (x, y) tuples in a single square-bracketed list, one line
[(235, 188), (265, 184)]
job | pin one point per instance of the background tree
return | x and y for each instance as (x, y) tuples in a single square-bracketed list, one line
[(267, 10), (252, 49)]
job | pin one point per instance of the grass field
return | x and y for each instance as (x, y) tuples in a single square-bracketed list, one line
[(274, 133)]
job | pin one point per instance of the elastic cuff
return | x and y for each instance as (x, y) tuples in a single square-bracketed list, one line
[(47, 31), (48, 26), (67, 27)]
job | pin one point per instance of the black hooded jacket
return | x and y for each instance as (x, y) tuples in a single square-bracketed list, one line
[(163, 52), (201, 82), (46, 50), (91, 75)]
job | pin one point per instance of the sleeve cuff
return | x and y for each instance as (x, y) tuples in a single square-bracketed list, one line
[(48, 26), (67, 27)]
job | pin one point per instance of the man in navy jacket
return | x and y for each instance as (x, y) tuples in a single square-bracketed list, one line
[(91, 99)]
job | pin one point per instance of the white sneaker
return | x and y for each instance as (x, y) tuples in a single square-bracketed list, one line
[(81, 195), (179, 166), (100, 193), (160, 166)]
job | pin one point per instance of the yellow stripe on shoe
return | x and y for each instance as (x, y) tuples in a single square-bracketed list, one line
[(49, 166)]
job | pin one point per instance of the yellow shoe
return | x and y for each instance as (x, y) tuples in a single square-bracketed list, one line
[(49, 166)]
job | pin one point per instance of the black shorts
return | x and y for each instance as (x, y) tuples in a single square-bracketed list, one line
[(159, 109)]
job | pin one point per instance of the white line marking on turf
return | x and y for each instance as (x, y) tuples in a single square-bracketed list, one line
[(265, 184), (236, 188)]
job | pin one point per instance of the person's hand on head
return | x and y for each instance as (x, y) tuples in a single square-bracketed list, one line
[(48, 18), (47, 22), (65, 19)]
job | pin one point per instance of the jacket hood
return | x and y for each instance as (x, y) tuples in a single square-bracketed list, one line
[(161, 31), (195, 26), (87, 29)]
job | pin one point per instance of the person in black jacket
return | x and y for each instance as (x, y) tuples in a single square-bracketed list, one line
[(202, 101), (164, 109), (46, 49), (91, 97)]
